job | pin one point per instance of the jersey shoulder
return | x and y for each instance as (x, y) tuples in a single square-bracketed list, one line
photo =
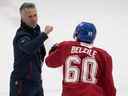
[(68, 43), (102, 52)]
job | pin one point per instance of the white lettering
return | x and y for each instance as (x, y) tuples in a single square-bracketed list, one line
[(76, 49)]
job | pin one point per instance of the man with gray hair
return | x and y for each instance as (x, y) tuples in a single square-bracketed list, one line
[(29, 53)]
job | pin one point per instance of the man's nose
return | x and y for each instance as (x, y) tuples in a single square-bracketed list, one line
[(34, 19)]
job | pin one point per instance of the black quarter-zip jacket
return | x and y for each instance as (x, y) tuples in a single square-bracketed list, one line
[(29, 52)]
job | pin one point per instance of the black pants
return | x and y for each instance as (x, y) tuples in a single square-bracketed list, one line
[(25, 88)]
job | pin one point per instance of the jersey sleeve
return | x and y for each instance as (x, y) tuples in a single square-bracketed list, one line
[(55, 57), (108, 83), (53, 48)]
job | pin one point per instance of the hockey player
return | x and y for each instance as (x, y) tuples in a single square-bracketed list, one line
[(87, 70)]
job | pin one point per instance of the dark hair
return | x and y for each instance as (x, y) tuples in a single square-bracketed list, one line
[(27, 5)]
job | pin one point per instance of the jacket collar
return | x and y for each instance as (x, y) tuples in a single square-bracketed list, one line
[(28, 28)]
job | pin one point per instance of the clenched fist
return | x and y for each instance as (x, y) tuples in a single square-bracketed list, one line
[(48, 29)]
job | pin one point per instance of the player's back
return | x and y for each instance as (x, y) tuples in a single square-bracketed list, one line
[(86, 69), (82, 69)]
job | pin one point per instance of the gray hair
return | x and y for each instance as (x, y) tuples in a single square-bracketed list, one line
[(27, 5)]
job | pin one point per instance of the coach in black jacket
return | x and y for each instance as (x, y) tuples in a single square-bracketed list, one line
[(29, 52)]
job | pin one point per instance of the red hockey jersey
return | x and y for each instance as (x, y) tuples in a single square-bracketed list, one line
[(87, 70)]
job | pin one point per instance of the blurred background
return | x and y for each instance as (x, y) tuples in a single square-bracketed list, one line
[(109, 16)]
